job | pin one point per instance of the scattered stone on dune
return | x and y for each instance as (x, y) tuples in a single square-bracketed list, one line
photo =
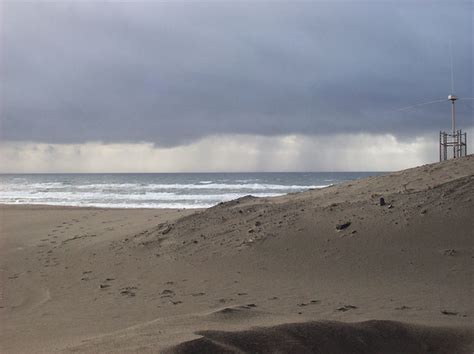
[(177, 302), (382, 201), (423, 211), (104, 286), (251, 231), (343, 225), (390, 206), (258, 223), (198, 294), (166, 229)]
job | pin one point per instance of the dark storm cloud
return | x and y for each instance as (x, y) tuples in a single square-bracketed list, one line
[(170, 73)]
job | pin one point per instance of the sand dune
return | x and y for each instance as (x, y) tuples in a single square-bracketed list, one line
[(328, 270)]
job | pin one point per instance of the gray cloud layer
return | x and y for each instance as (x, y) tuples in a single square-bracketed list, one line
[(170, 73)]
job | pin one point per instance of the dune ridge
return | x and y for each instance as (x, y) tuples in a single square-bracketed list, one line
[(332, 337)]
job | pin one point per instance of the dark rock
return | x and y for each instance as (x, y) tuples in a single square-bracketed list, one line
[(449, 313), (382, 201), (343, 226)]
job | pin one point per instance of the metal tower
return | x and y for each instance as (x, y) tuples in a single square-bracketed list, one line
[(457, 139)]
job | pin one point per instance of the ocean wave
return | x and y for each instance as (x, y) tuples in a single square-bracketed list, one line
[(140, 191), (68, 196), (152, 186), (178, 186)]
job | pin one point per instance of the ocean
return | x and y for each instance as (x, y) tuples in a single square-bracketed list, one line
[(159, 190)]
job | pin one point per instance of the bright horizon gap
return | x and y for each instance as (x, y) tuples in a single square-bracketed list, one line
[(227, 154)]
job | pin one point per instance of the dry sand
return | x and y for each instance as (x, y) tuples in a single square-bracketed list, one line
[(251, 275)]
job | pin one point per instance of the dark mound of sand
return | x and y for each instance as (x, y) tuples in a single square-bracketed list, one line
[(235, 312), (333, 337)]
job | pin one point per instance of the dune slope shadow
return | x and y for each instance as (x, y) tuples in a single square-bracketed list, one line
[(333, 337)]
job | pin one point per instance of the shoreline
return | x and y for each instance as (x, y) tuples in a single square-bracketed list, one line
[(59, 207), (86, 279)]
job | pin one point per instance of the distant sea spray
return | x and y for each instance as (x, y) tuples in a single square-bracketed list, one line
[(160, 190)]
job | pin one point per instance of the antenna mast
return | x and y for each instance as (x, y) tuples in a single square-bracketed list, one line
[(453, 98), (457, 139)]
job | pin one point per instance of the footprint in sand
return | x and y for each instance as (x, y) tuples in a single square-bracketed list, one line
[(223, 300), (198, 294), (403, 308), (167, 293), (128, 291), (314, 302), (346, 308)]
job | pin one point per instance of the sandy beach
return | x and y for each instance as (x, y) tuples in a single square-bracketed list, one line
[(327, 270)]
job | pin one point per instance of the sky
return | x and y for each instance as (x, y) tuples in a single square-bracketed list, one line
[(154, 86)]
